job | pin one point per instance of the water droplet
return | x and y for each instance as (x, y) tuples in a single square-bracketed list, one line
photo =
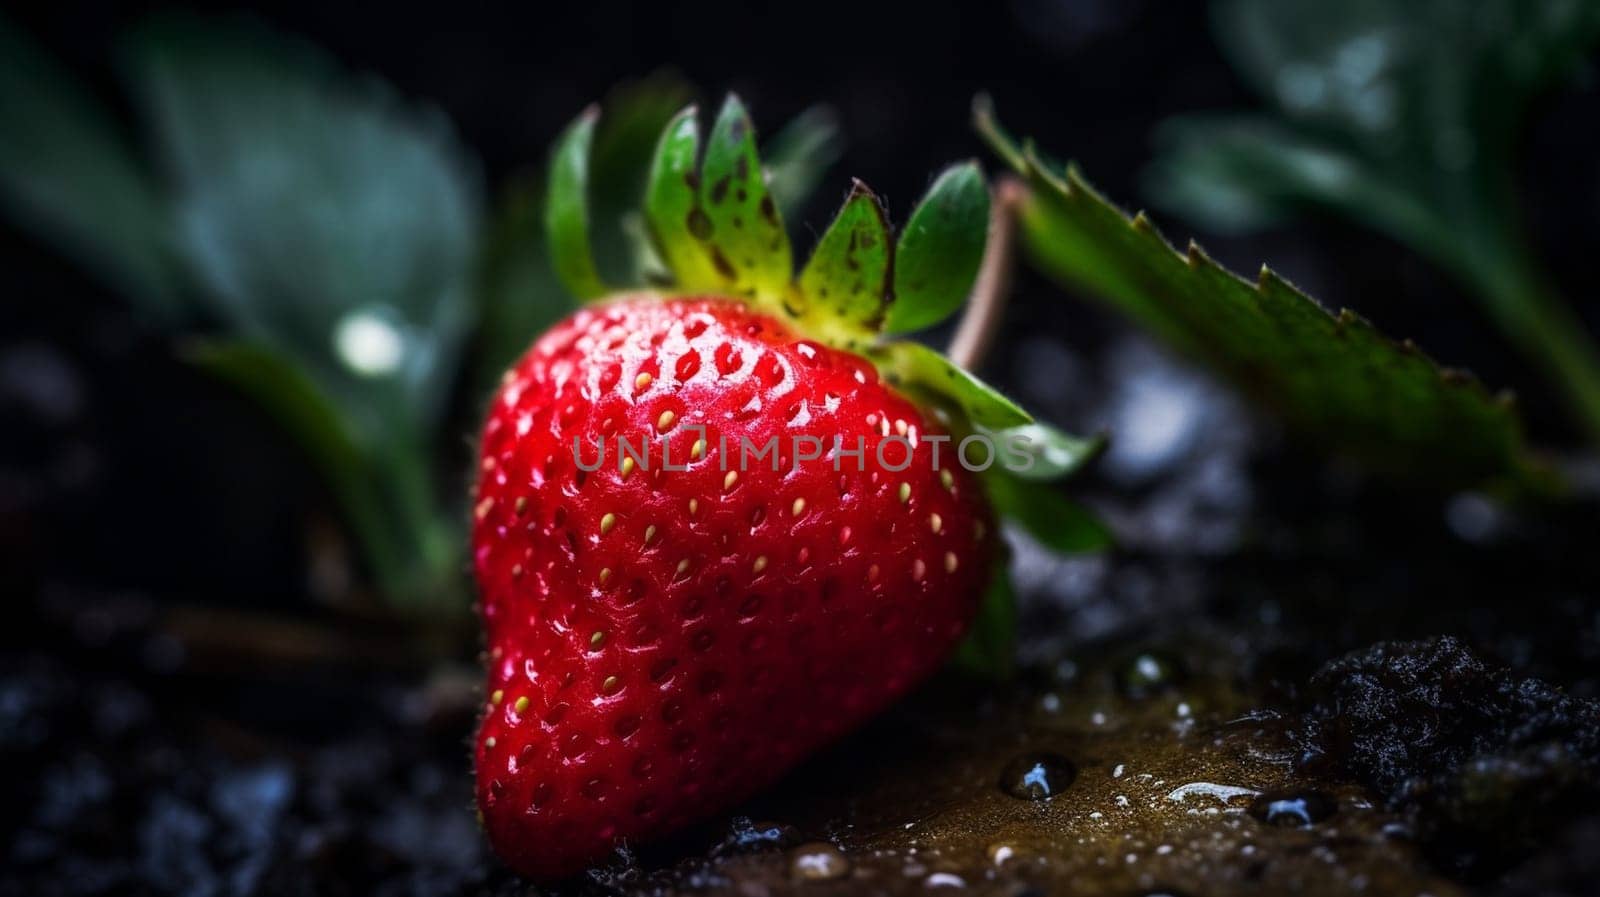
[(745, 836), (818, 861), (1293, 809), (1148, 673), (1037, 776)]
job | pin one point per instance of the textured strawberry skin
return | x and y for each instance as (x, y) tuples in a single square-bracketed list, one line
[(655, 666)]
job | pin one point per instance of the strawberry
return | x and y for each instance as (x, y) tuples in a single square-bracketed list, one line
[(662, 642), (667, 634)]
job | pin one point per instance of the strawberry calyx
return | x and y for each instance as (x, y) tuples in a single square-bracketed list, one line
[(714, 229)]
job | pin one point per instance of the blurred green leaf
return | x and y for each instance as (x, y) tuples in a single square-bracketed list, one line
[(305, 412), (1405, 116), (844, 287), (334, 229), (1057, 522), (798, 157), (567, 208), (939, 250), (990, 647), (921, 369), (1338, 382), (635, 113), (519, 293), (68, 173), (327, 219)]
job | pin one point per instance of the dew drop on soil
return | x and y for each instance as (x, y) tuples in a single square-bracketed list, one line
[(1149, 673), (1037, 776), (1292, 809), (818, 861)]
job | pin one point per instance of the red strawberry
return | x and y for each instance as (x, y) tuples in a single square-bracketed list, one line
[(796, 547), (663, 643)]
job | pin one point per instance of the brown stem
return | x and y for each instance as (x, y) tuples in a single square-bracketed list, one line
[(980, 323)]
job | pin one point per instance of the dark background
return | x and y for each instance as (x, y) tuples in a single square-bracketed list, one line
[(131, 484), (122, 469)]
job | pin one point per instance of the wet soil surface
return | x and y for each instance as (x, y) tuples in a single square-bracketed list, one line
[(1284, 680)]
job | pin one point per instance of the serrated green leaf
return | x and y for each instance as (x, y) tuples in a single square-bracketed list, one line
[(799, 155), (844, 288), (921, 369), (69, 175), (1337, 381), (1404, 116), (567, 208), (1051, 453), (741, 229), (940, 249), (990, 647), (1057, 522)]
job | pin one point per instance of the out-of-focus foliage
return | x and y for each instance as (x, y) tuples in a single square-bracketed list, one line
[(990, 647), (1404, 115), (67, 172), (1342, 385), (319, 229), (798, 156)]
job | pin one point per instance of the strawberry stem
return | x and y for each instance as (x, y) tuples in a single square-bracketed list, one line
[(980, 322)]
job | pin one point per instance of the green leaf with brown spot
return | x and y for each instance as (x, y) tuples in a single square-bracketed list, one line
[(742, 230), (920, 369), (567, 210), (940, 249), (672, 205), (844, 288), (1336, 381)]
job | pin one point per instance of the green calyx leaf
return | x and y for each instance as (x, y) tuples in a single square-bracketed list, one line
[(940, 249), (1052, 453), (716, 229), (1046, 514), (920, 369), (843, 291), (714, 216), (739, 224), (567, 210), (1334, 379)]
